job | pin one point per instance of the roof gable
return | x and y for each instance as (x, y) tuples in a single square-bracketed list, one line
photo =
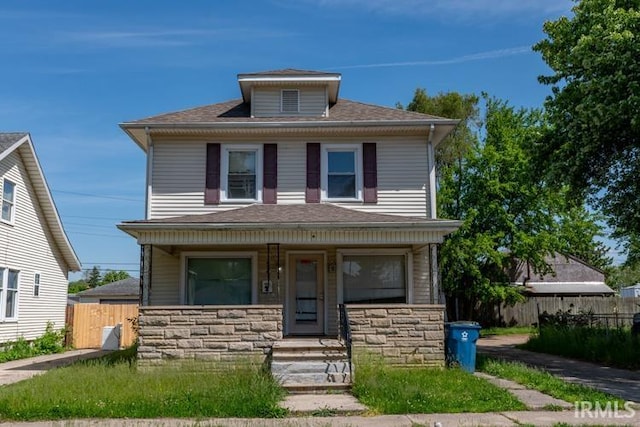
[(10, 142)]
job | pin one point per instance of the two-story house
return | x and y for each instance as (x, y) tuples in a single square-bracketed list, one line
[(267, 214), (35, 253)]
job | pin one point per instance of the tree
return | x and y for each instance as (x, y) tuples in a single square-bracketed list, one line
[(77, 286), (113, 276), (92, 277), (508, 213), (593, 143)]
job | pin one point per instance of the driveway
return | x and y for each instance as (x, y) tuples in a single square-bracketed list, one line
[(620, 382)]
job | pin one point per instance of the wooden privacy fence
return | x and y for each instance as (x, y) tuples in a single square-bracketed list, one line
[(526, 313), (86, 322)]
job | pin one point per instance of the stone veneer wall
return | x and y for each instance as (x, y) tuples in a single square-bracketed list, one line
[(207, 332), (402, 334)]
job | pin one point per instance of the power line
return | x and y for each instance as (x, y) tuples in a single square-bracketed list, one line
[(97, 196), (91, 225), (112, 263), (99, 235), (92, 217)]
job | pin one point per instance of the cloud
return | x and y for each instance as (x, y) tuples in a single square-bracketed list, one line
[(453, 9), (161, 38), (480, 56)]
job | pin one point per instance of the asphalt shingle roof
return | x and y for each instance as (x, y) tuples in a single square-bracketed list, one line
[(286, 214), (130, 286), (289, 72), (7, 139), (237, 111)]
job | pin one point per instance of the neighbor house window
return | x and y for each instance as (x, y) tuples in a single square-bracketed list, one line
[(224, 280), (8, 200), (241, 173), (8, 294), (374, 279), (341, 173), (36, 284), (290, 101)]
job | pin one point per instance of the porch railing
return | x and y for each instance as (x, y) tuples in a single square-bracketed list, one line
[(345, 334)]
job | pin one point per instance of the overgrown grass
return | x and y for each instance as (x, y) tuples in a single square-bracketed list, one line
[(113, 387), (394, 390), (543, 381), (49, 343), (611, 347), (513, 330)]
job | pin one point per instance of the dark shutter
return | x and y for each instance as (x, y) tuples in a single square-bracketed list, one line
[(370, 172), (312, 194), (212, 186), (270, 177)]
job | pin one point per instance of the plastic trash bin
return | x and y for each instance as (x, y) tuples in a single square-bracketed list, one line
[(460, 344)]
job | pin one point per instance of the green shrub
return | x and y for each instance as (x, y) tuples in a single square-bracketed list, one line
[(611, 347), (49, 343)]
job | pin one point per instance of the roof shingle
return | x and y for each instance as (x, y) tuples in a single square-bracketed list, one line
[(7, 139)]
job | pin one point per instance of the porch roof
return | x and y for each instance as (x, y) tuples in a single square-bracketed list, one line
[(312, 223)]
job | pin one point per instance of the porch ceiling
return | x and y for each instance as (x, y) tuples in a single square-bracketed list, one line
[(295, 224)]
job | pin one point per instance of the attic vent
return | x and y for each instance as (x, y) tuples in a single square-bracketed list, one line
[(290, 101)]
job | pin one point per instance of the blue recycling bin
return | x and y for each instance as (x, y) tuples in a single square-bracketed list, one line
[(460, 344)]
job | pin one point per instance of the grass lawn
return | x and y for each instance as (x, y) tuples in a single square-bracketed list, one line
[(114, 388), (398, 390), (543, 381), (514, 330)]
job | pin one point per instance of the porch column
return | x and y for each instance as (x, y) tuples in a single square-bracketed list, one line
[(145, 274), (436, 293)]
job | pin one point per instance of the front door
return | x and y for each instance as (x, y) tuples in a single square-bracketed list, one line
[(305, 311)]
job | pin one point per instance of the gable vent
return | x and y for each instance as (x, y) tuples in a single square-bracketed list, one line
[(290, 101)]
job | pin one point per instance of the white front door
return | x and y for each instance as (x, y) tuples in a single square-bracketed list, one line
[(305, 311)]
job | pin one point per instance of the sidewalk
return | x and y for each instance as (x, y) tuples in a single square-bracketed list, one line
[(18, 370), (619, 382)]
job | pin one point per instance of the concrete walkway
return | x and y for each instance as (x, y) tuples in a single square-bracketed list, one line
[(18, 370), (622, 383)]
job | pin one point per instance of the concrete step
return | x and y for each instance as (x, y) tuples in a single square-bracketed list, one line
[(297, 367), (305, 388), (319, 378), (284, 355)]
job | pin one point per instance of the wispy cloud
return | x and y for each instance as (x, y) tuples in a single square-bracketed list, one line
[(161, 38), (480, 56), (453, 8)]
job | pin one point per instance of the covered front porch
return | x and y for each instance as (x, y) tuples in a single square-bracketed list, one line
[(234, 282)]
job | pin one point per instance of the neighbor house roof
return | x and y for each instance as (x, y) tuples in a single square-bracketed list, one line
[(125, 287), (21, 142), (311, 213), (568, 288)]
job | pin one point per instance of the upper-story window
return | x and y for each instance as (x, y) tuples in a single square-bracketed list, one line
[(36, 284), (241, 173), (290, 101), (341, 172), (8, 200)]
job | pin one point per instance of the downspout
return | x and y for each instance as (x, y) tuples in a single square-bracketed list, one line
[(436, 297), (149, 188)]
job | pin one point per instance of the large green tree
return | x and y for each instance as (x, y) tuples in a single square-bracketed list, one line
[(593, 143), (113, 276), (508, 212)]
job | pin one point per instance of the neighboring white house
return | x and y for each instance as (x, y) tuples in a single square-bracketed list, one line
[(35, 253), (630, 291), (264, 214)]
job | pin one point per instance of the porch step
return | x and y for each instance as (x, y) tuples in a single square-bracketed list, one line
[(311, 365)]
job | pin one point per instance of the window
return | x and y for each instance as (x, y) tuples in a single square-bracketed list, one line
[(8, 294), (223, 280), (36, 284), (374, 279), (8, 200), (241, 173), (341, 173), (290, 101)]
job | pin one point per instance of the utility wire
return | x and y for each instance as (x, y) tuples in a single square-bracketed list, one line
[(97, 196)]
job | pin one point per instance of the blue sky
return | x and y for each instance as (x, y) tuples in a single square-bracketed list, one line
[(71, 71)]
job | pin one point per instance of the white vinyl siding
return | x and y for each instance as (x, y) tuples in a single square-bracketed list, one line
[(28, 247), (179, 176), (165, 277), (267, 102)]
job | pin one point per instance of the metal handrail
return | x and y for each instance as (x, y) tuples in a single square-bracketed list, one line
[(345, 334)]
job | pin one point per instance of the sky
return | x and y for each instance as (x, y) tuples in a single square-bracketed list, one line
[(71, 71)]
